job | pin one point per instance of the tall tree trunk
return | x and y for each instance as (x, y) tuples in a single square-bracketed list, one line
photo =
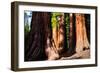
[(81, 36), (72, 38), (51, 43), (58, 39), (85, 38), (71, 30), (61, 33), (36, 41), (58, 33)]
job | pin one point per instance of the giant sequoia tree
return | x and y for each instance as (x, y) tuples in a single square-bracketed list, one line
[(81, 34), (59, 32), (58, 37), (36, 40)]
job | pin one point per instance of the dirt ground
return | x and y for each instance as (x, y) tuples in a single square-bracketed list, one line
[(82, 55)]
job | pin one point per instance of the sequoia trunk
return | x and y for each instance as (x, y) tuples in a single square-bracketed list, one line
[(81, 35), (36, 40)]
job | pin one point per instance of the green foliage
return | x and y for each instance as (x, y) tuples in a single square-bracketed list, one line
[(54, 23), (26, 29), (67, 22), (67, 19), (54, 20)]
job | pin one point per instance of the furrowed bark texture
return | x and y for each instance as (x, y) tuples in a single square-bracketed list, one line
[(81, 35), (36, 40)]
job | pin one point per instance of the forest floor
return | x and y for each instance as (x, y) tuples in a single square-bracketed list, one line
[(82, 55)]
